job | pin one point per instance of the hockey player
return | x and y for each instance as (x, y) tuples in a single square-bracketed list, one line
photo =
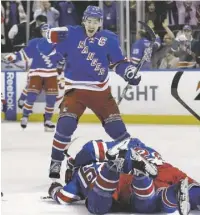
[(60, 82), (97, 182), (140, 46), (90, 51), (43, 72), (141, 193)]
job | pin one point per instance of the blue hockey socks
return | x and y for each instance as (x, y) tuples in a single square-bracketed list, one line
[(28, 105), (66, 126), (50, 103), (115, 128)]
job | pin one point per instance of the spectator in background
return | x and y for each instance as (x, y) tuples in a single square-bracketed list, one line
[(187, 12), (3, 42), (166, 45), (50, 12), (150, 13), (109, 21), (169, 61), (68, 14), (183, 47), (36, 30), (13, 10), (171, 14), (133, 19), (17, 33)]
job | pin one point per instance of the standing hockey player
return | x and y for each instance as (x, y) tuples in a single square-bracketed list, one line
[(90, 51), (43, 72), (139, 48)]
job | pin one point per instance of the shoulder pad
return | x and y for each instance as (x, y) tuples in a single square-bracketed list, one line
[(109, 34)]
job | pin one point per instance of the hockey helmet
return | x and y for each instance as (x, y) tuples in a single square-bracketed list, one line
[(93, 11)]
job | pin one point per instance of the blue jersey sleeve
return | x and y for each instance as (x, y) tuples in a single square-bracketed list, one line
[(137, 52), (70, 192), (93, 151), (114, 49), (47, 48), (28, 52), (117, 60)]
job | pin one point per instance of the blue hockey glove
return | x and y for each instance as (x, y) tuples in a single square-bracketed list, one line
[(56, 35), (130, 77), (60, 65), (53, 189)]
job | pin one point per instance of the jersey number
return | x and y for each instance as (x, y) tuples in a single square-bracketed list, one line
[(87, 175)]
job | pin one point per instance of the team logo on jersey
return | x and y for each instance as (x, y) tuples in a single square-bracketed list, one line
[(47, 60), (90, 56), (186, 91)]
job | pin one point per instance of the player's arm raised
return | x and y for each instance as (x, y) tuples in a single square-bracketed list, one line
[(54, 41)]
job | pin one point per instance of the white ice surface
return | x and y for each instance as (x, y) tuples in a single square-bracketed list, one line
[(26, 157)]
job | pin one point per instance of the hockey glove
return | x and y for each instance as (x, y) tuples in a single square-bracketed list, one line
[(70, 167), (10, 57), (60, 66), (56, 35), (53, 189), (130, 76)]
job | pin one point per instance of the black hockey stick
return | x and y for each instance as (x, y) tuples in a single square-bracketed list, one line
[(174, 93), (146, 56)]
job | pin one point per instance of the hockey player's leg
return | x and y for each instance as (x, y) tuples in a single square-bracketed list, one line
[(70, 111), (143, 198), (175, 197), (51, 89), (99, 199), (105, 107), (22, 98), (34, 88)]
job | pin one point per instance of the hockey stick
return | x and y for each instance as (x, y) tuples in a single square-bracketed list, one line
[(174, 93), (146, 56)]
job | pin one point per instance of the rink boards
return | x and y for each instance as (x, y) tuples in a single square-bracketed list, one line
[(150, 102)]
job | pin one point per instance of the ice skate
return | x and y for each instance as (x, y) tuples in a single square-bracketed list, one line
[(183, 197), (48, 125), (123, 145), (24, 122), (54, 172), (142, 166)]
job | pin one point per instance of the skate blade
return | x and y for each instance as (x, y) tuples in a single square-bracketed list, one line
[(49, 129)]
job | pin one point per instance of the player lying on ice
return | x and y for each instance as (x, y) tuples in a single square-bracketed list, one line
[(136, 179), (90, 53)]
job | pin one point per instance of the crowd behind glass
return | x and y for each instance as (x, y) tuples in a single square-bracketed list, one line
[(167, 18)]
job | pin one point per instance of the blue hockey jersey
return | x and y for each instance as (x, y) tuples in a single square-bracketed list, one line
[(138, 50), (89, 58), (95, 151), (80, 184), (41, 65)]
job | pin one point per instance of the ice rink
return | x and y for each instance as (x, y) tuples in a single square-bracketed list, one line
[(26, 157)]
